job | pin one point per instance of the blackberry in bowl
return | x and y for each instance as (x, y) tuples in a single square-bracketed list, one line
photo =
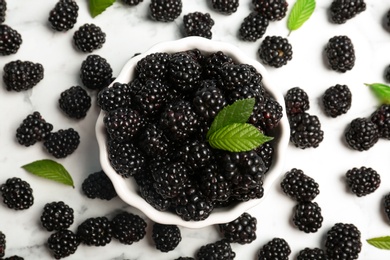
[(165, 166)]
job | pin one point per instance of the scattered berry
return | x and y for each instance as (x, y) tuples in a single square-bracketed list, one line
[(3, 9), (305, 130), (343, 241), (113, 97), (275, 51), (381, 118), (34, 128), (277, 248), (311, 254), (10, 40), (386, 205), (253, 27), (14, 257), (95, 72), (64, 15), (307, 216), (63, 243), (340, 53), (89, 37), (198, 24), (128, 228), (344, 10), (95, 231), (22, 75), (17, 194), (363, 181), (75, 102), (225, 6), (62, 143), (2, 244), (269, 115), (57, 216), (297, 101), (242, 230), (361, 134), (165, 10), (273, 10), (337, 100), (220, 250), (297, 185), (98, 185), (166, 237)]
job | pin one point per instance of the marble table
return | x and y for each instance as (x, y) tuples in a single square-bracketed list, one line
[(129, 31)]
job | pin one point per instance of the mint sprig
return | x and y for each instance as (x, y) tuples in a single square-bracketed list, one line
[(380, 242), (300, 13), (382, 91), (97, 7)]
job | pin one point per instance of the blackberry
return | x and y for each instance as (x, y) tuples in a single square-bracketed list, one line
[(95, 231), (220, 250), (344, 10), (269, 114), (166, 237), (242, 230), (307, 216), (273, 10), (277, 248), (152, 97), (98, 186), (123, 124), (311, 254), (305, 130), (296, 100), (184, 72), (208, 100), (75, 102), (165, 10), (275, 51), (340, 53), (197, 154), (153, 142), (116, 96), (198, 24), (153, 66), (62, 143), (386, 205), (213, 64), (10, 40), (14, 257), (128, 228), (337, 100), (300, 187), (22, 75), (213, 184), (361, 134), (253, 27), (151, 196), (2, 244), (3, 10), (57, 216), (89, 37), (266, 153), (132, 2), (185, 258), (343, 241), (34, 128), (235, 77), (17, 194), (381, 118), (64, 15), (225, 6), (95, 72), (63, 243), (362, 181)]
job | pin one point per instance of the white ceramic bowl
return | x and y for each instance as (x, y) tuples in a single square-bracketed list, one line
[(127, 188)]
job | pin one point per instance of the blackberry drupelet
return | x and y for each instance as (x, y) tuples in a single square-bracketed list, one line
[(166, 237), (184, 72), (307, 216), (343, 241), (63, 243), (273, 10), (337, 100), (300, 187), (213, 64), (277, 248), (242, 230), (3, 10), (95, 72), (266, 153), (123, 124), (340, 53), (208, 100), (305, 130), (152, 97), (361, 134), (151, 196), (220, 250), (198, 24), (196, 154), (89, 37), (311, 254), (269, 114), (275, 51), (10, 40), (344, 10), (132, 2), (62, 143), (17, 194), (213, 184), (34, 128), (225, 6), (253, 27), (64, 15), (95, 231), (153, 66), (75, 102), (386, 205), (22, 75), (57, 216), (234, 76), (116, 96), (128, 228), (296, 101), (381, 118), (165, 10), (153, 142), (363, 181), (2, 244), (98, 186)]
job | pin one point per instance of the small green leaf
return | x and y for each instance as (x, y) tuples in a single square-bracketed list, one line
[(237, 137), (380, 242), (97, 7), (300, 13), (238, 112), (382, 91), (51, 170)]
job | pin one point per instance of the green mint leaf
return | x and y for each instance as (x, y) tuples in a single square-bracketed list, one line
[(97, 7), (51, 170), (238, 112), (382, 91), (380, 242), (300, 13), (237, 137)]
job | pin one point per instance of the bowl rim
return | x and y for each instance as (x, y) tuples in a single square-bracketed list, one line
[(218, 216)]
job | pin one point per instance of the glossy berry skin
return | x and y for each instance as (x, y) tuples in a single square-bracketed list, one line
[(113, 97), (166, 237), (343, 241), (226, 7), (64, 15), (337, 100), (95, 72), (165, 10), (11, 40), (62, 143), (275, 51), (209, 100), (75, 102), (242, 230), (95, 231), (22, 75), (89, 37), (3, 10), (128, 228), (17, 194), (297, 101), (198, 24), (277, 248), (63, 243), (273, 10), (312, 254), (2, 244), (220, 250), (34, 128), (132, 2), (305, 130), (300, 187), (57, 216), (307, 217), (340, 53), (98, 186), (253, 27), (386, 205), (343, 10), (361, 134), (362, 181)]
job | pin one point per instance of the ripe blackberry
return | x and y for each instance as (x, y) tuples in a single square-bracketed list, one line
[(208, 100), (10, 40), (300, 187), (307, 216), (17, 194), (198, 24), (132, 2), (337, 100), (275, 51), (153, 66), (340, 53), (184, 72), (2, 244), (266, 153), (89, 37), (213, 64), (381, 118), (344, 10), (273, 10), (225, 6), (95, 72), (185, 258), (235, 77), (343, 241), (305, 130), (14, 257), (95, 231), (22, 75), (3, 9), (63, 243), (253, 27), (116, 96), (62, 143), (361, 134), (269, 114), (277, 248), (151, 98), (128, 228), (165, 10), (311, 254), (242, 230), (386, 205), (363, 181), (196, 154), (64, 15), (213, 184), (57, 216), (296, 100), (34, 128), (75, 102), (220, 250), (123, 124), (152, 141), (98, 186), (166, 237), (150, 195)]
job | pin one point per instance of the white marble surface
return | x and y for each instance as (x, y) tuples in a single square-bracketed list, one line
[(129, 30)]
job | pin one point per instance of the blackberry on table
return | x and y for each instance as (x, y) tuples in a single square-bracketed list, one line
[(153, 66), (300, 187), (128, 228), (62, 143), (362, 181), (116, 96), (57, 216), (64, 15), (296, 100), (2, 244), (34, 128), (242, 230), (253, 27), (275, 51), (225, 6), (22, 75), (63, 243), (386, 205), (312, 254), (10, 40), (166, 237), (340, 53), (337, 100), (75, 102), (273, 10), (132, 2), (361, 134), (198, 24), (98, 186), (3, 10), (220, 250), (95, 72), (381, 118), (123, 124), (307, 216), (89, 37), (17, 194), (344, 10), (14, 257), (184, 72), (305, 130), (343, 241), (165, 10), (277, 248), (208, 100), (95, 231)]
